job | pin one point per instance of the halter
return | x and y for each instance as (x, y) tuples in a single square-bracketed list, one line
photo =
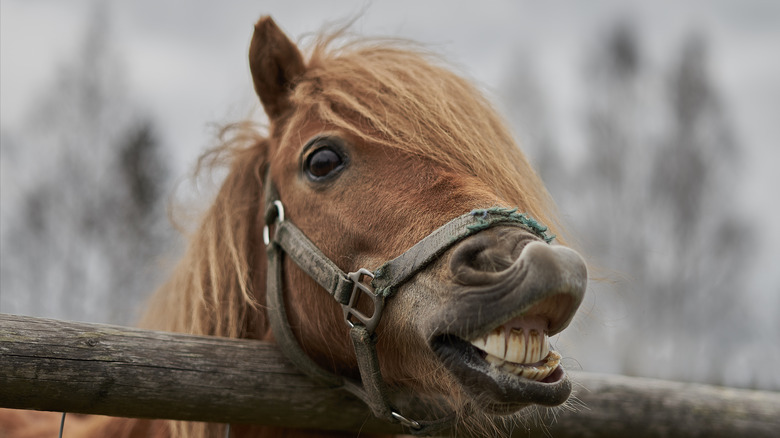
[(346, 289)]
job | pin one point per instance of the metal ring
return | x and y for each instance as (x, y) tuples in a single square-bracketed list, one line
[(266, 238), (405, 421), (280, 211), (279, 219)]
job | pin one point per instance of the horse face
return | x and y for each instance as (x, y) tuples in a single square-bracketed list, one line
[(475, 322)]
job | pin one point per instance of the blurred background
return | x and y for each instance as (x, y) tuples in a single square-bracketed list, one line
[(654, 125)]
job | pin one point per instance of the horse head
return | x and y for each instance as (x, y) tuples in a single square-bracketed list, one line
[(385, 161)]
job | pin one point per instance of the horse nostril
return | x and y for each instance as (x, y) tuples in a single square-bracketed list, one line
[(477, 259)]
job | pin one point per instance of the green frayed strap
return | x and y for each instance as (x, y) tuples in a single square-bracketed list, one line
[(393, 273), (486, 217)]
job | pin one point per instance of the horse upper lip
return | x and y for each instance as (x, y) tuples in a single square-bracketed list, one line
[(549, 315), (545, 281)]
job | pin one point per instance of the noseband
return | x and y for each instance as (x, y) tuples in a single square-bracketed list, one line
[(346, 289)]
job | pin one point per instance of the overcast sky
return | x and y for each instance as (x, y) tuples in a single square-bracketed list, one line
[(186, 60)]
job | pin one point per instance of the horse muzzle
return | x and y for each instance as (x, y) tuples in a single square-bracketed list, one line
[(509, 293)]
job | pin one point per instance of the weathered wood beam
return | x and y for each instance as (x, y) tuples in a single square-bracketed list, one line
[(99, 369), (620, 406), (87, 368)]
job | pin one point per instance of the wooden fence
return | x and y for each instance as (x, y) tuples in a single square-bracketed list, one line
[(100, 369)]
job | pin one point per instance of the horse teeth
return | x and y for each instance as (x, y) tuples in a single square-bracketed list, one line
[(495, 361), (516, 346), (528, 373), (495, 344), (533, 348), (480, 343), (518, 351), (539, 372), (511, 368), (520, 346)]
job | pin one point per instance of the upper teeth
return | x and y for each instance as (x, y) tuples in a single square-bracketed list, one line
[(519, 351), (515, 345)]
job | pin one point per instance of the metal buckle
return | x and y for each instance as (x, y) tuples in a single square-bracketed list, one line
[(279, 219), (370, 322), (405, 421)]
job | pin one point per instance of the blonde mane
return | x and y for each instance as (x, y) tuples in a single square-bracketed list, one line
[(214, 289)]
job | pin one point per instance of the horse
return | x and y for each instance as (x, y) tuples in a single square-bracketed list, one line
[(386, 231)]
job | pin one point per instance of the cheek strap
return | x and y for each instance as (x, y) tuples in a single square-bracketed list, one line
[(372, 389)]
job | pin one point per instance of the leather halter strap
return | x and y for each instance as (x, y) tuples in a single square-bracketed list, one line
[(345, 288), (394, 273)]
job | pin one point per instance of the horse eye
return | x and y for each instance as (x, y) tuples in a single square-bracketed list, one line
[(323, 162)]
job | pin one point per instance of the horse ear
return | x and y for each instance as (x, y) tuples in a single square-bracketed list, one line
[(275, 63)]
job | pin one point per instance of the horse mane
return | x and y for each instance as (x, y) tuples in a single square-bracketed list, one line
[(213, 289)]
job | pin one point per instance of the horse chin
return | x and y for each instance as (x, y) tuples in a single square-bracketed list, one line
[(495, 389)]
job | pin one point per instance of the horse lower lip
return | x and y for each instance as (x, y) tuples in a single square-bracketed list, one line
[(491, 386)]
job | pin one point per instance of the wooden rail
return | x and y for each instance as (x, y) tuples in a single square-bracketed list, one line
[(100, 369)]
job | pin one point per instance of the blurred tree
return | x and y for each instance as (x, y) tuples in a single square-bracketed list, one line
[(695, 168), (652, 201), (87, 221), (526, 109)]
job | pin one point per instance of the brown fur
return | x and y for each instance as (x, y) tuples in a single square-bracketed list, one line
[(427, 147)]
